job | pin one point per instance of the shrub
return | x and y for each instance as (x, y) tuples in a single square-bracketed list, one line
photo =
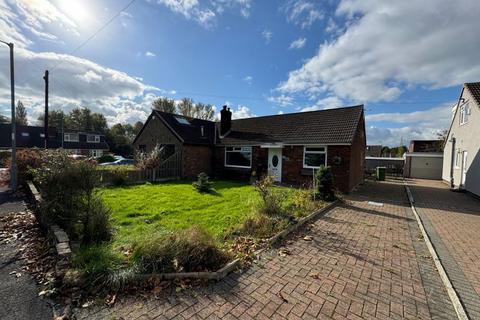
[(105, 158), (301, 203), (203, 185), (324, 182), (150, 160), (198, 252), (188, 251), (27, 159), (68, 191), (262, 226), (119, 176), (271, 203)]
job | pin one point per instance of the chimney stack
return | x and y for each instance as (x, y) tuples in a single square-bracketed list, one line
[(225, 120)]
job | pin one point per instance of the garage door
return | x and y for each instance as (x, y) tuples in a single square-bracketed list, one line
[(426, 168)]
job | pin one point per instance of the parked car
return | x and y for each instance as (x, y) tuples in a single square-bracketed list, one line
[(118, 162)]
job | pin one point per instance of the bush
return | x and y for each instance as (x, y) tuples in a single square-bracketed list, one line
[(27, 159), (271, 203), (188, 251), (262, 226), (105, 158), (301, 203), (150, 160), (203, 185), (119, 176), (324, 182), (68, 191)]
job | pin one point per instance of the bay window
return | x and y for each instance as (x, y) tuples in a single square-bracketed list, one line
[(240, 157), (314, 157)]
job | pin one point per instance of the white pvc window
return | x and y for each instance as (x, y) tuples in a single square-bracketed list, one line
[(240, 157), (314, 157), (458, 159), (93, 138), (96, 153), (464, 113), (70, 137)]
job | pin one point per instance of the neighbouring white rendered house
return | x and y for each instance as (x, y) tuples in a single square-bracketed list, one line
[(461, 165)]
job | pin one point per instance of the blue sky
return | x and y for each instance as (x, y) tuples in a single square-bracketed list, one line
[(405, 63)]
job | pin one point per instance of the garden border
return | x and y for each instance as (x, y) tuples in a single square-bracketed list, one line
[(62, 241)]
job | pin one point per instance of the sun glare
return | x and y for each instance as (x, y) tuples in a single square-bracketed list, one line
[(75, 9)]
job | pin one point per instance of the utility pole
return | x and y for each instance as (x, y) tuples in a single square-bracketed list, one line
[(13, 170), (45, 121)]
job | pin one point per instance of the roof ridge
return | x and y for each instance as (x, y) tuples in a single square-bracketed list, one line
[(300, 112)]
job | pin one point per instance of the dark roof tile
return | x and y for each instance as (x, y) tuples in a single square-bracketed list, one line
[(474, 88)]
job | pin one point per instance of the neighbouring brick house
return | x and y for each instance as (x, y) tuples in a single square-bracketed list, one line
[(86, 143), (288, 146)]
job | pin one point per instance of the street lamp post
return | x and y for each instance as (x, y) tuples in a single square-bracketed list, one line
[(13, 173)]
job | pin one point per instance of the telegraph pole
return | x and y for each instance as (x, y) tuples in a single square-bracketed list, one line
[(45, 121), (13, 169)]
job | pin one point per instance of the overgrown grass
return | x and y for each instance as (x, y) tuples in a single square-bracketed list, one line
[(140, 210)]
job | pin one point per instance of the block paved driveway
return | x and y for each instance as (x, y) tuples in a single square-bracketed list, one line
[(452, 220), (366, 261)]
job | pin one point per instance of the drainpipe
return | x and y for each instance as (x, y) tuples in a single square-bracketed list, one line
[(453, 140)]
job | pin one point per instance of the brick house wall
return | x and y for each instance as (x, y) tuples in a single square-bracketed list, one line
[(259, 164), (196, 159), (156, 132), (357, 161)]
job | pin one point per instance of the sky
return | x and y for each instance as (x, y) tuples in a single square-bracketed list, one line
[(405, 61)]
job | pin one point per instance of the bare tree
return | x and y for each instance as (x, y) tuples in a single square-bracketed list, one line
[(165, 105), (21, 114), (197, 110)]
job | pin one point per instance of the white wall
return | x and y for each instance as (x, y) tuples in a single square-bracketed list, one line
[(467, 139)]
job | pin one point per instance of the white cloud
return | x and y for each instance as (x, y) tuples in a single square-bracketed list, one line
[(267, 35), (150, 54), (248, 79), (242, 112), (73, 81), (325, 103), (303, 13), (281, 100), (390, 45), (298, 44), (416, 125)]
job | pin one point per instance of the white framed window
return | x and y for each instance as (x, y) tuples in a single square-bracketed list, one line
[(25, 134), (464, 113), (70, 137), (239, 157), (314, 156), (458, 159), (93, 138), (96, 153)]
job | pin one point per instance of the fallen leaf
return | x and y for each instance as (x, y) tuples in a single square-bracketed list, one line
[(308, 238), (280, 295)]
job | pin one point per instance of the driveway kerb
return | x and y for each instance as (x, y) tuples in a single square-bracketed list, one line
[(459, 309)]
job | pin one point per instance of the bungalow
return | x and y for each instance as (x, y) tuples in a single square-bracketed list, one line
[(80, 142), (288, 146), (461, 165)]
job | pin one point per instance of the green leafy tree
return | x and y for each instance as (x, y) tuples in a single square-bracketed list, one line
[(21, 114), (324, 183), (137, 127), (55, 119), (99, 123), (164, 104)]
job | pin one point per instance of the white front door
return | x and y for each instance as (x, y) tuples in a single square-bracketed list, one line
[(464, 167), (275, 163)]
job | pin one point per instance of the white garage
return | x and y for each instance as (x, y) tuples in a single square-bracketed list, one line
[(423, 165)]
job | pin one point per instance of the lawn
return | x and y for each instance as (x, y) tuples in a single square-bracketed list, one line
[(140, 210)]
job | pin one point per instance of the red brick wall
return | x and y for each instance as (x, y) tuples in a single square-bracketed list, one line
[(357, 162), (196, 159), (259, 164)]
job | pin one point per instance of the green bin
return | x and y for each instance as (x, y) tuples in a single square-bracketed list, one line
[(381, 173)]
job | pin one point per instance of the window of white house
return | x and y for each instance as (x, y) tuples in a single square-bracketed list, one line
[(314, 157), (238, 157), (73, 137), (96, 153), (464, 113), (458, 159), (93, 138)]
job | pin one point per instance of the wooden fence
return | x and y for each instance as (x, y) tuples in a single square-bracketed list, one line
[(169, 169)]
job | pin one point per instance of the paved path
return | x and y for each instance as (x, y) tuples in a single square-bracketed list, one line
[(18, 296), (452, 221), (366, 261)]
